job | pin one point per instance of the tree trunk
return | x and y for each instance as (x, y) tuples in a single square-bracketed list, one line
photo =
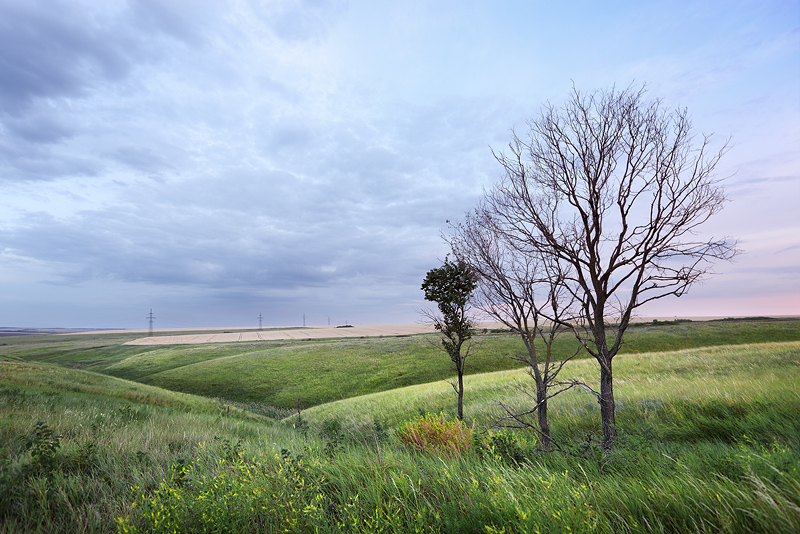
[(460, 393), (607, 406), (541, 412)]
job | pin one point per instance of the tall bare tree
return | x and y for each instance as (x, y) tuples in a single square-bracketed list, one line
[(450, 287), (524, 292), (612, 188)]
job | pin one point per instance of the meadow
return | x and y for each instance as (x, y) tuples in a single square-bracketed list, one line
[(278, 373), (100, 437)]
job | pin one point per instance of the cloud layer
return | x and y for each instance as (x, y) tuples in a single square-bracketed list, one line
[(214, 161)]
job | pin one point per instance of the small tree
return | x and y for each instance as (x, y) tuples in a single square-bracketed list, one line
[(525, 293), (612, 188), (450, 287)]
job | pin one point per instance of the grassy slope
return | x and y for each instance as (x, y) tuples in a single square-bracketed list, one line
[(267, 372), (52, 379), (756, 377)]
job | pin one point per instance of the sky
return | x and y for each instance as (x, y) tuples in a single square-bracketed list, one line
[(298, 160)]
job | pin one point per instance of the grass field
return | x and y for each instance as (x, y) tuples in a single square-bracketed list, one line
[(278, 373), (709, 439)]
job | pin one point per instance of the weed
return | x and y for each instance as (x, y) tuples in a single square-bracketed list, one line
[(380, 431), (504, 446), (180, 470), (708, 443)]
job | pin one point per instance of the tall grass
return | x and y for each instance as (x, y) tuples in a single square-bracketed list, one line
[(362, 491), (73, 443)]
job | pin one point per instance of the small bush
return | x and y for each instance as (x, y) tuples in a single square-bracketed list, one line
[(432, 433), (507, 447)]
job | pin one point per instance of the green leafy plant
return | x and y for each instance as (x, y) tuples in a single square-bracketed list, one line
[(505, 446), (43, 443)]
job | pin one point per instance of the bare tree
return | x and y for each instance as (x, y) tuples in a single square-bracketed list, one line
[(523, 292), (450, 287), (612, 188)]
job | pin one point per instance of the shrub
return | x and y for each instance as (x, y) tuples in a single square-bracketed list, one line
[(432, 433), (43, 443), (503, 446)]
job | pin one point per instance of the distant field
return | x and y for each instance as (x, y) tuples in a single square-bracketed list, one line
[(274, 334)]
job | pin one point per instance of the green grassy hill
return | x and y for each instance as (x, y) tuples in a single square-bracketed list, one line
[(753, 377)]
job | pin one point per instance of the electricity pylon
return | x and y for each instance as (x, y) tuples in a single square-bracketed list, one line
[(150, 317)]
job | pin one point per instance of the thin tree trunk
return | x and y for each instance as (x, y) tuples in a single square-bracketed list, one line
[(460, 396), (541, 412), (607, 406), (541, 391)]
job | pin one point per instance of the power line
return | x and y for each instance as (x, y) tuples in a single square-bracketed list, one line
[(259, 321)]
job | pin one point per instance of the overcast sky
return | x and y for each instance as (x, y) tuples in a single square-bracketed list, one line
[(215, 160)]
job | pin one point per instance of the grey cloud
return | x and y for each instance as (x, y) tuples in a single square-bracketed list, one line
[(277, 204), (221, 233), (412, 155), (230, 162), (51, 50), (287, 134), (143, 159), (39, 127), (750, 181), (795, 247), (771, 272), (270, 85), (31, 162), (54, 57), (185, 246)]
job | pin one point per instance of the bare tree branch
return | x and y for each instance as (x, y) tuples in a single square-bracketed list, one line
[(522, 291), (606, 195)]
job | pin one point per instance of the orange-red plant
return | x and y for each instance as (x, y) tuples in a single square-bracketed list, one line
[(433, 433)]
